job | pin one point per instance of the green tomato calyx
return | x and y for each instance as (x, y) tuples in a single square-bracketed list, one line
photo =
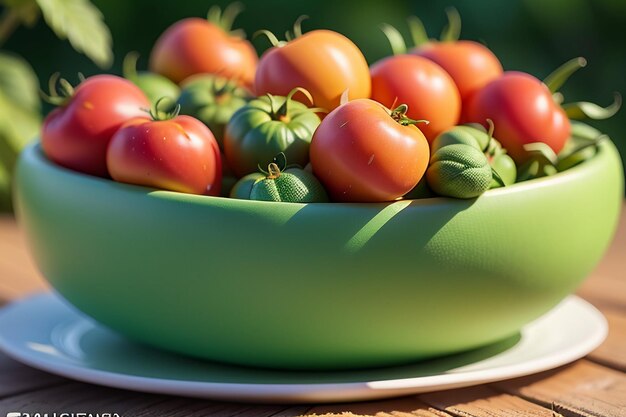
[(399, 115), (450, 33), (282, 113), (559, 76), (583, 109), (160, 114), (289, 36), (225, 19)]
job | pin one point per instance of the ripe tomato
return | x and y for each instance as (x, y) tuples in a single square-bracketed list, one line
[(324, 62), (178, 154), (192, 46), (76, 134), (470, 64), (523, 111), (363, 152), (423, 85)]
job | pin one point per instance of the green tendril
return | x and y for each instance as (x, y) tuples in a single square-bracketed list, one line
[(297, 26), (129, 65), (270, 36), (559, 76), (396, 41), (452, 31), (417, 30)]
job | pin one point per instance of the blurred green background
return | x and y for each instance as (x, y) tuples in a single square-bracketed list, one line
[(529, 35)]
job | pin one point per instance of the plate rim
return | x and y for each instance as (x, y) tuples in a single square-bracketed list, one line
[(302, 392)]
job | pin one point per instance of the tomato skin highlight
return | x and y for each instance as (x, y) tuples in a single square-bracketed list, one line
[(179, 154), (361, 154), (523, 111), (193, 46), (424, 86), (323, 62), (470, 64), (77, 134)]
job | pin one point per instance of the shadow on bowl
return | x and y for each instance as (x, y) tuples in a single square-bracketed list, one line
[(316, 286)]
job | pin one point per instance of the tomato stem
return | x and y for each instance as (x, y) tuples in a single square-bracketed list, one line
[(399, 115), (452, 31), (417, 30), (273, 171), (53, 97), (559, 76), (398, 46)]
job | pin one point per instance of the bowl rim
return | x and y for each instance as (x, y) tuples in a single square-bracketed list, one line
[(35, 153)]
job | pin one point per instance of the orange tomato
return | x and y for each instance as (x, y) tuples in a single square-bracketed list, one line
[(323, 62), (192, 46), (470, 64), (366, 153), (424, 86)]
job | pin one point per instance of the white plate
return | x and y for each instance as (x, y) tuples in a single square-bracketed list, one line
[(46, 333)]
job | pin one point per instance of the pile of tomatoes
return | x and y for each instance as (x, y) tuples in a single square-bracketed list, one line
[(310, 120)]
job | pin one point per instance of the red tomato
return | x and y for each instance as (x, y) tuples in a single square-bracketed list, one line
[(192, 46), (470, 64), (523, 111), (76, 135), (178, 154), (363, 152), (423, 85), (323, 62)]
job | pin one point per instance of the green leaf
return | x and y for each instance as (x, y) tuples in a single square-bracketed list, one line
[(18, 126), (82, 24), (18, 82)]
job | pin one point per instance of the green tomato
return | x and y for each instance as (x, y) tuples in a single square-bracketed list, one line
[(460, 171), (265, 127), (213, 100), (505, 167), (243, 187), (154, 86), (456, 135), (477, 137), (294, 185)]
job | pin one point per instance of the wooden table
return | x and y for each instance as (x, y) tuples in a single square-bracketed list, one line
[(593, 386)]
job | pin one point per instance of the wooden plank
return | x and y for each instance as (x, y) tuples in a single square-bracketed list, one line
[(397, 407), (17, 378), (583, 389), (482, 401), (612, 352), (85, 398)]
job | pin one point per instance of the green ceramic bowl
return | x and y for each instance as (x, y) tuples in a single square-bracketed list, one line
[(316, 286)]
